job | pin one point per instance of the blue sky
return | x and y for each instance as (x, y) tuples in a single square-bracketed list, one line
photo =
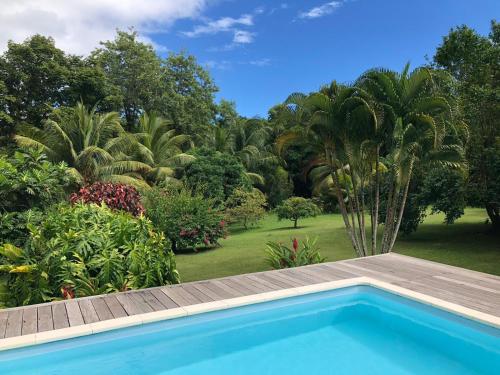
[(299, 45), (258, 51)]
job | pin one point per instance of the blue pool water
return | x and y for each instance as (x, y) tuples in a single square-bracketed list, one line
[(355, 330)]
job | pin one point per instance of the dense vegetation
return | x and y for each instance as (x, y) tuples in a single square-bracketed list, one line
[(135, 144)]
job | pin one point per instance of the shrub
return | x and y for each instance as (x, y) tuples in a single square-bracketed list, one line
[(28, 185), (28, 180), (295, 208), (84, 250), (219, 174), (281, 256), (246, 207), (115, 196), (187, 218)]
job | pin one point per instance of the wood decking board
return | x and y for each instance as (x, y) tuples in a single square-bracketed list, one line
[(471, 289)]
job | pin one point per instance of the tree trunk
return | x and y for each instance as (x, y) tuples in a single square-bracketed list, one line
[(402, 209), (295, 223), (493, 210), (376, 207)]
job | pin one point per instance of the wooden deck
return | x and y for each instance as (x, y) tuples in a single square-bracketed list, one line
[(467, 288)]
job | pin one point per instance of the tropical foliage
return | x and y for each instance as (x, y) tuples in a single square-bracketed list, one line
[(281, 256), (114, 196), (246, 207), (188, 219), (84, 250), (296, 208)]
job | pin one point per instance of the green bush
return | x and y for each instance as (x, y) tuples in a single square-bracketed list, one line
[(295, 208), (28, 185), (85, 250), (281, 256), (246, 207), (187, 218), (218, 173)]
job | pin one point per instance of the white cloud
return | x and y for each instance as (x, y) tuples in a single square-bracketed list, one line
[(321, 10), (243, 37), (260, 62), (78, 25), (221, 25)]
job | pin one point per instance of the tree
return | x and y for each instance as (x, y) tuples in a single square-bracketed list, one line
[(474, 61), (35, 75), (188, 95), (246, 206), (397, 117), (159, 146), (218, 174), (134, 69), (296, 208), (89, 143)]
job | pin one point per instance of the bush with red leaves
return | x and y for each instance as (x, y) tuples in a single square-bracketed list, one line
[(115, 196)]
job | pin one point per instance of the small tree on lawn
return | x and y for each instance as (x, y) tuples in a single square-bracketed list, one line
[(246, 207), (295, 208)]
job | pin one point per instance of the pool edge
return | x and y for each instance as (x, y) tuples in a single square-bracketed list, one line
[(139, 319)]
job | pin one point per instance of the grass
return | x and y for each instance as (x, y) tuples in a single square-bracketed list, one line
[(465, 244)]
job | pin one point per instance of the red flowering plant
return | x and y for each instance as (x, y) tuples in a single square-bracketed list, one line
[(115, 196), (188, 219), (281, 256)]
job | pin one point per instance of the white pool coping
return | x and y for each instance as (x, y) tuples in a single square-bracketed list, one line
[(139, 319)]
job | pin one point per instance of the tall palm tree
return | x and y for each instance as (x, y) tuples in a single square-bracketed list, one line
[(400, 119), (419, 128), (158, 146), (86, 141)]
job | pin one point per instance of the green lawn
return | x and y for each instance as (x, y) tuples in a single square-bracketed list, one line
[(463, 244)]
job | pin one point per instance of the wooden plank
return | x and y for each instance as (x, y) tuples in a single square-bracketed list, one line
[(139, 300), (215, 296), (101, 308), (30, 321), (230, 293), (75, 317), (281, 284), (198, 294), (360, 271), (128, 304), (151, 300), (338, 270), (60, 316), (14, 323), (3, 323), (164, 300), (269, 285), (242, 282), (115, 307), (88, 312), (239, 287), (283, 278), (180, 296), (45, 322), (301, 276), (314, 274)]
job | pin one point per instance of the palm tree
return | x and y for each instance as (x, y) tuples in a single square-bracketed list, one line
[(86, 142), (419, 128), (398, 119), (158, 146)]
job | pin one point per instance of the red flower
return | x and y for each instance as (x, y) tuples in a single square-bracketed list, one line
[(295, 244), (67, 292)]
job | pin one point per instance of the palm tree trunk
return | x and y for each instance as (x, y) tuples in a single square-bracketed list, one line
[(401, 210), (389, 216), (343, 211), (374, 218)]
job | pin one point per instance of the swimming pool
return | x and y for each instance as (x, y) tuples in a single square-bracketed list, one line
[(352, 330)]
